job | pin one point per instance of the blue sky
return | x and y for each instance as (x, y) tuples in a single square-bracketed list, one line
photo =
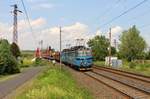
[(74, 15)]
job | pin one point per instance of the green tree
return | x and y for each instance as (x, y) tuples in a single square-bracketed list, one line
[(132, 44), (8, 63), (15, 50), (148, 55), (99, 46), (113, 51)]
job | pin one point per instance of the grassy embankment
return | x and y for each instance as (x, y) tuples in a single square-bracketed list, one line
[(6, 77), (132, 67), (53, 84), (27, 57)]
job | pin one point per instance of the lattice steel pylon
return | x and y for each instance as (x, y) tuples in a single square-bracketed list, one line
[(15, 24)]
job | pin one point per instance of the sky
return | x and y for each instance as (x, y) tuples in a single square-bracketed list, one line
[(78, 19)]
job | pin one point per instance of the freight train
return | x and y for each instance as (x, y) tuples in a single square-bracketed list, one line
[(79, 57)]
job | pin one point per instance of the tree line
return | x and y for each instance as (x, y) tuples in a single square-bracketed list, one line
[(132, 46), (9, 54)]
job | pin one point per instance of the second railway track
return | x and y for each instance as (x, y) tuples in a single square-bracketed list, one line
[(134, 87), (125, 73), (133, 80), (127, 91)]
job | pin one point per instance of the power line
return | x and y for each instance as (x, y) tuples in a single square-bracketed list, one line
[(111, 7), (28, 20), (140, 15), (125, 12), (108, 9)]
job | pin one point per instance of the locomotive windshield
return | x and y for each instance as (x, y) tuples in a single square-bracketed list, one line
[(84, 53)]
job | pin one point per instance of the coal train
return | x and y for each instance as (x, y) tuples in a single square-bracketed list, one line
[(78, 57)]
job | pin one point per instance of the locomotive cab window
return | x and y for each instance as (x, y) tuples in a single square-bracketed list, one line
[(84, 53)]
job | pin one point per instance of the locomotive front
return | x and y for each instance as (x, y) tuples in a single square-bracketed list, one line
[(84, 58)]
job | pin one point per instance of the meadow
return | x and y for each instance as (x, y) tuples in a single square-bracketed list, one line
[(53, 83)]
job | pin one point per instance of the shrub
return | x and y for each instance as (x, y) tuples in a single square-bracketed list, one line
[(132, 64), (15, 50), (26, 62), (38, 61), (8, 63)]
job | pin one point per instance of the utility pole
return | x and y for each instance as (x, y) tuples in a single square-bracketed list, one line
[(41, 42), (109, 47), (115, 44), (15, 27), (60, 47)]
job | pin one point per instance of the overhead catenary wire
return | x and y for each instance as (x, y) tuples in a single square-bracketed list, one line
[(123, 13), (110, 8), (28, 20)]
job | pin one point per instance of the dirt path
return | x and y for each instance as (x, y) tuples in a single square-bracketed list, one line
[(8, 86)]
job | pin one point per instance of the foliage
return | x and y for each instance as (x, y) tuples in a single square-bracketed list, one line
[(113, 51), (27, 62), (38, 61), (54, 84), (132, 44), (8, 63), (99, 46), (132, 65), (148, 55), (15, 50)]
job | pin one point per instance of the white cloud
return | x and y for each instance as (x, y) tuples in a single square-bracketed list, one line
[(42, 6), (27, 40), (38, 22), (98, 32), (69, 34), (23, 24), (116, 30), (4, 31), (46, 5), (50, 36)]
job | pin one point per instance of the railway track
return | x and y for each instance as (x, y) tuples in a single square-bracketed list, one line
[(140, 82), (125, 73), (131, 86)]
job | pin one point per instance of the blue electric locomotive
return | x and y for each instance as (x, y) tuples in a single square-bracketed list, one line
[(79, 57)]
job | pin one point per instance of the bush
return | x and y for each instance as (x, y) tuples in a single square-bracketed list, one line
[(8, 63), (38, 61), (15, 50), (26, 62), (132, 65)]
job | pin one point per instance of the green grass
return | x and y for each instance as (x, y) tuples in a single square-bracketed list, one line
[(6, 77), (27, 62), (138, 68), (27, 57), (54, 84), (99, 63)]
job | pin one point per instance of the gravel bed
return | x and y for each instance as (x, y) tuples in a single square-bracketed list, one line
[(97, 89)]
